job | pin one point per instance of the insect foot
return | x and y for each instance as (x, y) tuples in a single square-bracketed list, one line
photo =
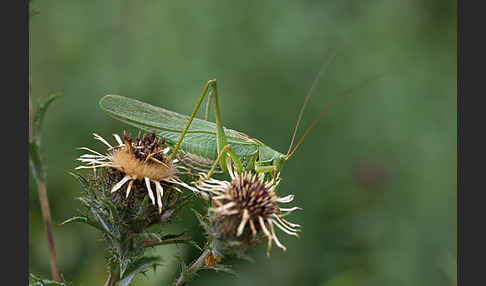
[(143, 162), (245, 210)]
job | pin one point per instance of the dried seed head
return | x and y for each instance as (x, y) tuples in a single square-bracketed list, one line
[(144, 160)]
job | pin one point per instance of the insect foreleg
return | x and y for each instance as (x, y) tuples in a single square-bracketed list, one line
[(264, 169), (260, 168)]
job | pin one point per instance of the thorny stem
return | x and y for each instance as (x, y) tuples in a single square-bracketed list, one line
[(41, 187), (46, 214), (194, 267)]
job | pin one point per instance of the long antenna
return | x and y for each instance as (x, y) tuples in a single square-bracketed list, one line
[(340, 96), (314, 83)]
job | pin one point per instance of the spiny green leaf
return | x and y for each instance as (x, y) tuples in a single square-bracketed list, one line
[(101, 223), (37, 281), (181, 239), (149, 236), (202, 221), (113, 211), (185, 200), (75, 219), (223, 268), (124, 264), (86, 202), (84, 183), (106, 226), (34, 143), (40, 114), (167, 215), (85, 220), (193, 243), (139, 266), (144, 209)]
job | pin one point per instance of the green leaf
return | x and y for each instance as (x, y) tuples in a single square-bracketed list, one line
[(106, 226), (82, 181), (37, 281), (85, 220), (148, 236), (223, 268), (144, 209), (75, 219), (203, 221), (192, 243), (124, 263), (40, 114), (36, 162), (139, 266), (86, 202), (113, 211), (178, 238), (101, 222), (34, 143)]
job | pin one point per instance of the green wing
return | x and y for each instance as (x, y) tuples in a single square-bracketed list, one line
[(200, 139)]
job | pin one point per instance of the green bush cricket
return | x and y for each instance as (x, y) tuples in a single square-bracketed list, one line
[(203, 141)]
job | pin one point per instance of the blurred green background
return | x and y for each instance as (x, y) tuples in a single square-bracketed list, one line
[(376, 177)]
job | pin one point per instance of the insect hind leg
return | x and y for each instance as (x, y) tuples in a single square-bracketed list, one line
[(221, 141)]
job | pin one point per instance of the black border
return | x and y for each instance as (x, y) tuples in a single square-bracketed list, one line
[(471, 155), (14, 23), (23, 86), (459, 138)]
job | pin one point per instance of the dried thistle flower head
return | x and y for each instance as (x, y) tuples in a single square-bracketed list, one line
[(144, 159), (248, 206)]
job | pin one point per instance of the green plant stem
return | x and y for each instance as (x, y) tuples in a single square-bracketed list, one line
[(161, 242), (194, 267)]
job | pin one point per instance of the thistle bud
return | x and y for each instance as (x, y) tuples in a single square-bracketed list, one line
[(246, 208)]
